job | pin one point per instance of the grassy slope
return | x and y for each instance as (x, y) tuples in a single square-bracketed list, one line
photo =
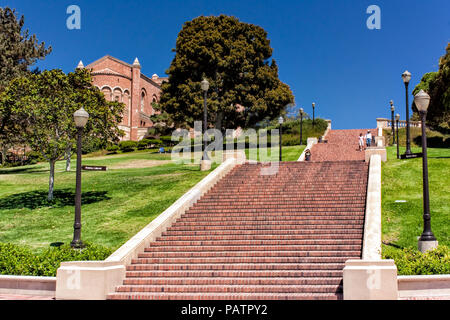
[(402, 180), (119, 202), (116, 203)]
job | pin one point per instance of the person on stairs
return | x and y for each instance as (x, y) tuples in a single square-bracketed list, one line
[(368, 138), (361, 142)]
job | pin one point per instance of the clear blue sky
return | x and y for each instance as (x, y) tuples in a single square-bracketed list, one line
[(324, 50)]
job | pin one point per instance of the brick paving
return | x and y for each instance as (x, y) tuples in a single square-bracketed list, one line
[(342, 145), (24, 297), (253, 236)]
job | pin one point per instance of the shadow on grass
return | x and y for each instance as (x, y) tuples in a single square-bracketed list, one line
[(392, 245), (21, 170), (38, 199)]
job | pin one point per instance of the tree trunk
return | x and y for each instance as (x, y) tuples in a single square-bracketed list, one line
[(51, 181), (2, 150), (68, 156)]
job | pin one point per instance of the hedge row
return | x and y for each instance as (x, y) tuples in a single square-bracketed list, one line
[(20, 260), (412, 262)]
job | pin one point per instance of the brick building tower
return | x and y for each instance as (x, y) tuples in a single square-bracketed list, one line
[(124, 82)]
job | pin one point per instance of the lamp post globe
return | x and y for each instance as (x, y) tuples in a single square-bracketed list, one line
[(406, 77), (427, 240), (80, 118)]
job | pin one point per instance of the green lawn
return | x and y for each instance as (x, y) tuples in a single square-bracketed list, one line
[(402, 180), (117, 203)]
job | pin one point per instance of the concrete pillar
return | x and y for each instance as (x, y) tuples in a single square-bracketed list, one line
[(135, 99), (370, 280)]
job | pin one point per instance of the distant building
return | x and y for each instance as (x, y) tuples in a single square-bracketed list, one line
[(124, 82)]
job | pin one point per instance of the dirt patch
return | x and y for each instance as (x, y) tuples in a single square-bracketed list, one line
[(134, 164)]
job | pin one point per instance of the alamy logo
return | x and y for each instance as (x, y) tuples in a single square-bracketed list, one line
[(374, 20), (74, 20)]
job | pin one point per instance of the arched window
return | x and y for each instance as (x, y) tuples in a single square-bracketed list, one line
[(142, 101)]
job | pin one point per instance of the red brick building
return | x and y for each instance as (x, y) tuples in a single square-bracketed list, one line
[(124, 82)]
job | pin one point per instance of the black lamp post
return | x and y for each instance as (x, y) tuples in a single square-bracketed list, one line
[(301, 126), (397, 118), (280, 122), (406, 76), (205, 86), (80, 117), (392, 121), (314, 106), (427, 240)]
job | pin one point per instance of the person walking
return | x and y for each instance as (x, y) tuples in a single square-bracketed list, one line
[(361, 142), (368, 138)]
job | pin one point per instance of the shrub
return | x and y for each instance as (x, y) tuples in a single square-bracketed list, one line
[(167, 141), (127, 146), (34, 157), (16, 260), (112, 149), (412, 262), (90, 145), (19, 260), (143, 144)]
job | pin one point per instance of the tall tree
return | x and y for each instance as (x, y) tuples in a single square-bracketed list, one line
[(437, 85), (235, 57), (47, 101), (18, 51)]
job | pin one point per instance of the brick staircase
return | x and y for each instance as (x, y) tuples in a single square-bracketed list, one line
[(253, 236), (342, 145)]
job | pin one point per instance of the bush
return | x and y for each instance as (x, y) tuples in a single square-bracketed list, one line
[(34, 157), (19, 260), (167, 141), (155, 142), (127, 146), (112, 149), (143, 144), (412, 262), (90, 145)]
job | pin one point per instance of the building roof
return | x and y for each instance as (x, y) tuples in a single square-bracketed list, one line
[(111, 72)]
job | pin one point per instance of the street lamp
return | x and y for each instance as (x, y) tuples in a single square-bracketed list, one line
[(280, 122), (427, 240), (314, 106), (392, 121), (301, 126), (406, 76), (80, 117), (205, 86), (397, 118)]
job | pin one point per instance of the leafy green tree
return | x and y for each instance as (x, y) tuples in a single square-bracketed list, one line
[(437, 85), (161, 120), (235, 57), (47, 101), (18, 51)]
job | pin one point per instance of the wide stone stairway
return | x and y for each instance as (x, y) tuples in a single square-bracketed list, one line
[(342, 145), (254, 236)]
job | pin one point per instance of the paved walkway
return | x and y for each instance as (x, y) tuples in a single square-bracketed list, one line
[(342, 145), (23, 297)]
